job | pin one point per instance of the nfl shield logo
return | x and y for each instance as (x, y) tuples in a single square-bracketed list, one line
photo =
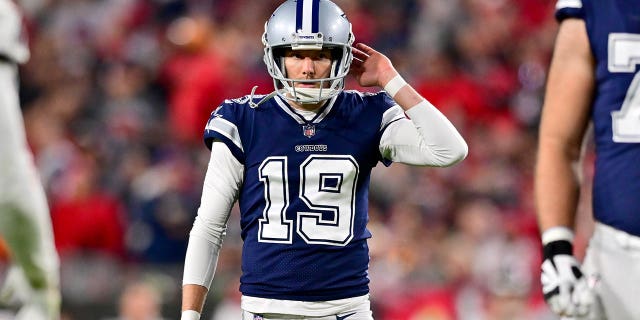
[(309, 130)]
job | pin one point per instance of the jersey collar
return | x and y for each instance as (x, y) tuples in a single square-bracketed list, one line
[(322, 113)]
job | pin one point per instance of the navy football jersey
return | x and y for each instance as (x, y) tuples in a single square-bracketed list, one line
[(304, 201), (613, 27)]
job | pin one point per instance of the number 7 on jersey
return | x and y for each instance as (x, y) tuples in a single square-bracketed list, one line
[(624, 55)]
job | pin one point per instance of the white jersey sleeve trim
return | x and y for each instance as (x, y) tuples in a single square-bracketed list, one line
[(392, 114), (428, 139), (220, 191), (227, 129)]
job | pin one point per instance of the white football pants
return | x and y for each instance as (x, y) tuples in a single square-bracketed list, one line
[(361, 311), (612, 267)]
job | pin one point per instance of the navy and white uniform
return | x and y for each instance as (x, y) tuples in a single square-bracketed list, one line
[(613, 28), (612, 260), (304, 197), (301, 181)]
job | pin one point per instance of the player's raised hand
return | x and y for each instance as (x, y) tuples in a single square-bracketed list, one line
[(370, 67), (564, 286)]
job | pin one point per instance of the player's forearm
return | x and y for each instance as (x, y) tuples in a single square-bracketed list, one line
[(403, 93), (563, 125), (199, 267), (557, 184), (193, 297)]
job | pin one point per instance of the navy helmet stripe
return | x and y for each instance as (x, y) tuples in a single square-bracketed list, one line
[(299, 14), (315, 13), (308, 16)]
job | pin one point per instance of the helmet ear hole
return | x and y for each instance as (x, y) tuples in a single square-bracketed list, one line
[(282, 67), (278, 52), (278, 58), (336, 55), (334, 68)]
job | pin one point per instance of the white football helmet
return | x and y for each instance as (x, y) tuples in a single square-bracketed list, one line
[(308, 25)]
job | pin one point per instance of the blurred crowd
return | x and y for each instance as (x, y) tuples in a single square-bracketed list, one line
[(117, 93)]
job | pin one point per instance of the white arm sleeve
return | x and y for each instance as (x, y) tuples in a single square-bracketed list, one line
[(428, 139), (221, 186)]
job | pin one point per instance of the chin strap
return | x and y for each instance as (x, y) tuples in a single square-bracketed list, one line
[(316, 95)]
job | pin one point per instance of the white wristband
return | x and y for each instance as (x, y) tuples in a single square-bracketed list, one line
[(394, 85), (190, 315), (557, 233)]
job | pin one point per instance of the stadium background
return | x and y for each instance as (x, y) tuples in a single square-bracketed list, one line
[(117, 93)]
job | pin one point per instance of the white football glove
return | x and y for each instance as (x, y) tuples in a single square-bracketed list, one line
[(564, 286)]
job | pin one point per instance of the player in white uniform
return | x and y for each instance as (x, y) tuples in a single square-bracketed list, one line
[(298, 161), (25, 225)]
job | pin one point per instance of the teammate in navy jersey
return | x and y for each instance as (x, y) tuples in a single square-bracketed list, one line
[(594, 76), (299, 160)]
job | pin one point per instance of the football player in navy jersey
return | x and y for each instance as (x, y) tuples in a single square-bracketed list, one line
[(299, 160), (32, 281), (594, 77)]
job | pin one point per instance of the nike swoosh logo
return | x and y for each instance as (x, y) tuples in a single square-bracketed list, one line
[(345, 316)]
